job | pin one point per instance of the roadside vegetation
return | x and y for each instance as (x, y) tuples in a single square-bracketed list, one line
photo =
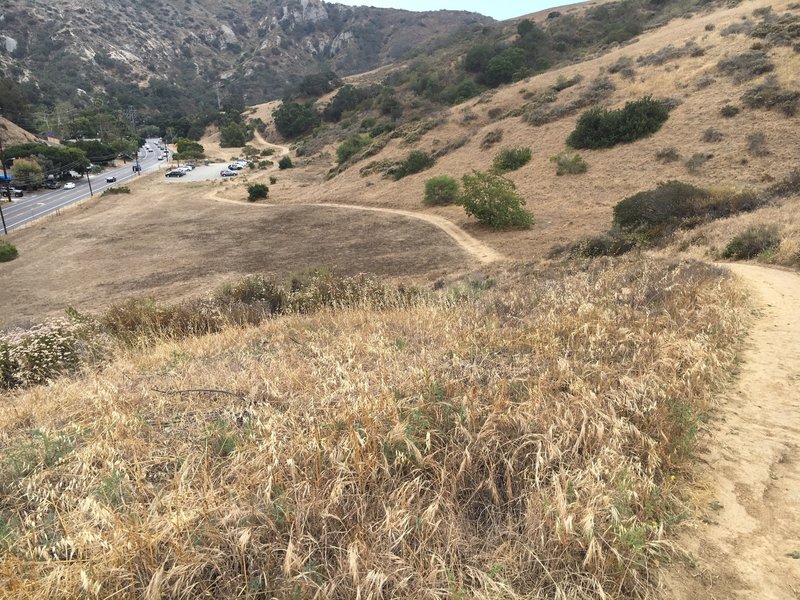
[(505, 431)]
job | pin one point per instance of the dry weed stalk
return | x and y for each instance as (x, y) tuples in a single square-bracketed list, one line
[(512, 442)]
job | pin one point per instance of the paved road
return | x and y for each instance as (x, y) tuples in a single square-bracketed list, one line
[(35, 205)]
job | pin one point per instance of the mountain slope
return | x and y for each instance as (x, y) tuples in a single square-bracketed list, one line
[(190, 50)]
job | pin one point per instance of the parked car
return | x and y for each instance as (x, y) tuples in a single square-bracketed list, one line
[(228, 173), (16, 192), (70, 185), (111, 179), (234, 167), (175, 173), (51, 185)]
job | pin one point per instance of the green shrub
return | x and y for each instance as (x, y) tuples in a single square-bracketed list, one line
[(415, 162), (511, 159), (257, 191), (753, 241), (492, 200), (273, 179), (441, 190), (350, 147), (569, 166), (602, 128), (253, 289), (268, 152), (123, 189), (8, 251), (674, 204), (285, 163)]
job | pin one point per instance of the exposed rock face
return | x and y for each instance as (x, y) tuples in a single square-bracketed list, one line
[(259, 46)]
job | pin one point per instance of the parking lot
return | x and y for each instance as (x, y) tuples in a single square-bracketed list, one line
[(201, 173)]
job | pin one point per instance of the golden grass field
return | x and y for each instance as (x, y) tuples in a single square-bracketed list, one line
[(516, 441), (523, 428)]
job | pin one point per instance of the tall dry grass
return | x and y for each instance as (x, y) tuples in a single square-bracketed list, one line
[(515, 441)]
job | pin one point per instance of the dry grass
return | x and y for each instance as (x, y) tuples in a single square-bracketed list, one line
[(515, 441)]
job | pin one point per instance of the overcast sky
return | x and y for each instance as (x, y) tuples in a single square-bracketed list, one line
[(499, 9)]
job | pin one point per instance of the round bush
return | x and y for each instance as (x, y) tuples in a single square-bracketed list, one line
[(8, 251), (492, 200), (257, 191), (752, 242), (415, 162), (511, 159), (285, 163), (441, 190)]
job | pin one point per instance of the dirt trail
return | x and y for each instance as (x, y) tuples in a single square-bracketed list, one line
[(747, 544), (475, 248)]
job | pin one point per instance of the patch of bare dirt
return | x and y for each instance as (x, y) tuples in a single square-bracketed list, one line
[(172, 242), (746, 543)]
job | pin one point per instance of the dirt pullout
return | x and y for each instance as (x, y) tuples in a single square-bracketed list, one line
[(747, 543)]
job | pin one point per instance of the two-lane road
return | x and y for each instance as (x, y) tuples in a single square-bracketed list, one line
[(35, 205)]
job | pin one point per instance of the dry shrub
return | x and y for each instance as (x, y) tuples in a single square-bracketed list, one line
[(521, 442), (668, 154), (595, 92), (757, 144), (771, 96), (670, 53), (712, 135), (491, 138), (752, 242), (746, 66)]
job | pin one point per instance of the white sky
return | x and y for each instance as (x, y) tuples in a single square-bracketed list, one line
[(499, 9)]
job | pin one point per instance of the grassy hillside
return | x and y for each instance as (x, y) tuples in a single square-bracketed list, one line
[(501, 438), (683, 63)]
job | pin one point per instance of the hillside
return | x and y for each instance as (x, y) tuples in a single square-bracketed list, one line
[(340, 391), (146, 54)]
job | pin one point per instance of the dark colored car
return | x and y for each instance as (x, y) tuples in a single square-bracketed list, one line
[(111, 179), (175, 173)]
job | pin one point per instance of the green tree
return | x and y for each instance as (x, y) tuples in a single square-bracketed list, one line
[(189, 149), (293, 119), (493, 201), (501, 68), (233, 135), (27, 172), (285, 163), (441, 190)]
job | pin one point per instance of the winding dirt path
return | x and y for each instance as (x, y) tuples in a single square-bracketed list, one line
[(747, 542), (474, 247)]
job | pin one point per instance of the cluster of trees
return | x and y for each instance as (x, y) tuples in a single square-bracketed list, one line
[(35, 162)]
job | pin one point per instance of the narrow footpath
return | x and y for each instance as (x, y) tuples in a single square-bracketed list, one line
[(746, 543)]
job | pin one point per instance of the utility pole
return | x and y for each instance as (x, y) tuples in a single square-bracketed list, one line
[(89, 180), (130, 112), (8, 184)]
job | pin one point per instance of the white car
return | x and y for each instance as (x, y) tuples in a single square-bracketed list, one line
[(69, 185)]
